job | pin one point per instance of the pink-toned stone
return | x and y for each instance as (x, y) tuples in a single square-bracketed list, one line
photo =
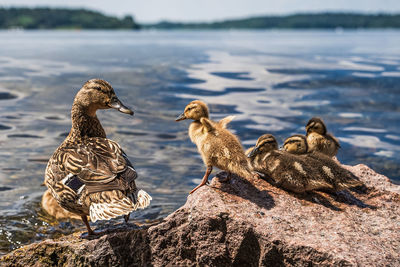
[(249, 223)]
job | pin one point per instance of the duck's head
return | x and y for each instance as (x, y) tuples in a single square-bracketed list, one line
[(265, 143), (316, 125), (195, 110), (296, 144), (98, 94)]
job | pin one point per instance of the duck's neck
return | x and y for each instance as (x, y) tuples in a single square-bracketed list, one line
[(85, 123)]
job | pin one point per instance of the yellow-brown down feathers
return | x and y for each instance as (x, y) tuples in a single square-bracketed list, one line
[(217, 146)]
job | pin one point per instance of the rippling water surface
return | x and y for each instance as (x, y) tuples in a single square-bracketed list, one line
[(273, 81)]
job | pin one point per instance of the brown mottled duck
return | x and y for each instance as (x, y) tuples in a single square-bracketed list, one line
[(88, 174)]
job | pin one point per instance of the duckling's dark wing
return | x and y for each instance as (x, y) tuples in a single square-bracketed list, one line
[(333, 139), (339, 176)]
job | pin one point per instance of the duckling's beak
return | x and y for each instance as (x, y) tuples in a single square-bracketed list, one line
[(254, 152), (116, 104), (181, 117)]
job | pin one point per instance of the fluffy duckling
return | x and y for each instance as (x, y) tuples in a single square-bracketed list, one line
[(217, 146), (299, 173), (319, 140), (88, 174), (296, 144)]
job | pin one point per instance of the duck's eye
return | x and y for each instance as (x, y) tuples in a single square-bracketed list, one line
[(97, 88)]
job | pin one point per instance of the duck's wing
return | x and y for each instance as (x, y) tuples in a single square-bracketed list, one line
[(97, 161), (334, 172), (207, 124), (333, 139), (225, 121), (102, 168)]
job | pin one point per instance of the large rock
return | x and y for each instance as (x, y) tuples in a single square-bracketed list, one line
[(247, 223)]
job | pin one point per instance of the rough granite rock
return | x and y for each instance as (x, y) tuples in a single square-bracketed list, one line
[(247, 223)]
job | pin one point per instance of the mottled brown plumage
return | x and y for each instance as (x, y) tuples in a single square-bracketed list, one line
[(88, 174), (217, 146), (319, 140), (299, 173)]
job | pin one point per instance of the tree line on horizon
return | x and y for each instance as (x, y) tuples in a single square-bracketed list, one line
[(63, 18), (297, 21)]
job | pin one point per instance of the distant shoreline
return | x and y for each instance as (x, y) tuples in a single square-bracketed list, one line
[(75, 19)]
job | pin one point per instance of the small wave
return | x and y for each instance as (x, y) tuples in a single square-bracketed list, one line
[(7, 96), (4, 127), (24, 136)]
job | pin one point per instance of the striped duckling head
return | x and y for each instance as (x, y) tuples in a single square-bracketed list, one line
[(265, 143), (296, 144)]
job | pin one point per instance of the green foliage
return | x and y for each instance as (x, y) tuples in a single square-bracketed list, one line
[(299, 21), (46, 18)]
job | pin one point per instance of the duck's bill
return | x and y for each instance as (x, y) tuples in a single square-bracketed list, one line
[(181, 117), (116, 104), (254, 152)]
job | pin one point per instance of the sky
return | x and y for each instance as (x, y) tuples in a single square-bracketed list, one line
[(149, 11)]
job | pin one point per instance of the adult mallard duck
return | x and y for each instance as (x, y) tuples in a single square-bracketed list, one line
[(91, 175), (299, 173), (319, 140), (217, 146)]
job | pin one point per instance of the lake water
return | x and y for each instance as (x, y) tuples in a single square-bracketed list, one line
[(273, 81)]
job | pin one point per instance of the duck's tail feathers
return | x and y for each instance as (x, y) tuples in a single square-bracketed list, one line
[(142, 199), (225, 121), (114, 207)]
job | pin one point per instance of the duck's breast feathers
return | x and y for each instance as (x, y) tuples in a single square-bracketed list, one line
[(94, 161)]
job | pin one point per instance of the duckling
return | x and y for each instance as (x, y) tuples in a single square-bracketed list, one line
[(296, 144), (50, 205), (319, 140), (88, 174), (299, 173), (217, 146)]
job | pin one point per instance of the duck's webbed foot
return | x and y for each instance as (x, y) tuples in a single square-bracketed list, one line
[(205, 179)]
